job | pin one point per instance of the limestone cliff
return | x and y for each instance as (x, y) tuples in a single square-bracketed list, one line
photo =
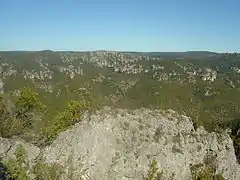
[(116, 144)]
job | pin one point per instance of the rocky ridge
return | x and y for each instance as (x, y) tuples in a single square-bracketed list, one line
[(120, 144)]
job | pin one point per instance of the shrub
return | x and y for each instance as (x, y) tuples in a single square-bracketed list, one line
[(71, 115), (10, 126), (28, 101), (18, 168), (204, 172), (43, 171), (153, 173), (18, 113)]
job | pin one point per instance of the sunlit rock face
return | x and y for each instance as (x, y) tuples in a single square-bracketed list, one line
[(120, 144)]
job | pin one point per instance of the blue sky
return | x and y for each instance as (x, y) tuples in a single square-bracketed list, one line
[(132, 25)]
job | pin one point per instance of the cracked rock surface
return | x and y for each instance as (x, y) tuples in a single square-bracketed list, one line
[(117, 144), (120, 144)]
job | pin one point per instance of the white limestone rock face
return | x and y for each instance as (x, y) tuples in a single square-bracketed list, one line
[(120, 144)]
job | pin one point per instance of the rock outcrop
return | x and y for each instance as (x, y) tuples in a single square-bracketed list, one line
[(120, 144)]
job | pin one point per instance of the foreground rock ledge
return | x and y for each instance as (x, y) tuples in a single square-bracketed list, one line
[(115, 144)]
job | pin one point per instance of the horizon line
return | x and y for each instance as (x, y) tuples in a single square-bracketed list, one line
[(207, 51)]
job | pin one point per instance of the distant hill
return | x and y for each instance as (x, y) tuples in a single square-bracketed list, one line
[(164, 55), (177, 55)]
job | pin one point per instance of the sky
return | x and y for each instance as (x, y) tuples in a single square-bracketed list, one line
[(122, 25)]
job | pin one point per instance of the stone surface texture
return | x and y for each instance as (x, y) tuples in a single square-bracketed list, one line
[(117, 144)]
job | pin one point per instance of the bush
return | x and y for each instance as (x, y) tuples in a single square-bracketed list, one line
[(18, 113), (153, 173), (28, 101), (18, 168), (10, 126), (71, 115), (43, 171), (204, 172)]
